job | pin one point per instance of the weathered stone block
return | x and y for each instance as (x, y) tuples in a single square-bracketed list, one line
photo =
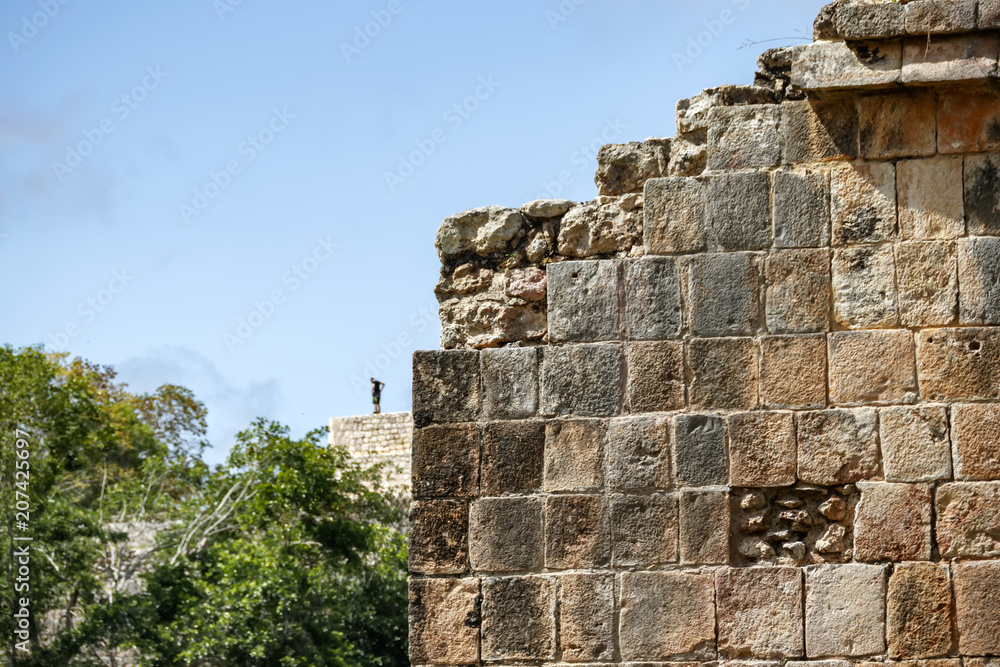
[(915, 445), (644, 530), (820, 130), (625, 168), (872, 367), (583, 301), (870, 21), (925, 17), (761, 449), (584, 380), (577, 533), (744, 137), (863, 202), (724, 374), (979, 280), (968, 520), (976, 438), (982, 192), (739, 211), (837, 65), (638, 453), (513, 457), (989, 15), (725, 294), (930, 198), (798, 291), (893, 522), (845, 610), (760, 612), (574, 454), (443, 630), (586, 617), (919, 613), (968, 121), (439, 532), (951, 59), (519, 618), (674, 215), (505, 534), (704, 526), (978, 623), (652, 299), (667, 615), (898, 124), (801, 205), (510, 382), (655, 376), (837, 446), (793, 372), (864, 287), (445, 461), (445, 386), (699, 444), (547, 208), (959, 364), (927, 279)]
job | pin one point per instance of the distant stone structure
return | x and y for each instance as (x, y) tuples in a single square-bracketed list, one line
[(744, 407), (378, 438)]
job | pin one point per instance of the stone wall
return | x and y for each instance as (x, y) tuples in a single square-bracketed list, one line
[(374, 439), (745, 406)]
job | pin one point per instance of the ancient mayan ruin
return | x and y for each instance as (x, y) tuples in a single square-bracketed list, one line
[(379, 439), (744, 407)]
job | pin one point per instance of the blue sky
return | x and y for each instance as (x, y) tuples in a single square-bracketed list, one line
[(241, 196)]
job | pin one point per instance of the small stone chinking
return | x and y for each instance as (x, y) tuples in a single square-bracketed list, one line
[(744, 407)]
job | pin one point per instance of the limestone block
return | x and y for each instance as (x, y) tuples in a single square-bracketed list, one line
[(583, 301), (978, 623), (845, 610), (505, 534), (820, 130), (979, 280), (446, 461), (793, 372), (655, 376), (863, 202), (739, 211), (760, 612), (864, 287), (989, 17), (801, 205), (982, 192), (577, 533), (652, 299), (724, 294), (959, 364), (638, 453), (483, 231), (952, 59), (443, 630), (976, 438), (837, 65), (699, 450), (510, 382), (724, 374), (925, 17), (513, 457), (597, 229), (547, 208), (837, 446), (927, 279), (586, 617), (704, 526), (583, 380), (674, 215), (625, 168), (930, 198), (798, 291), (667, 615), (870, 21), (898, 124), (519, 618), (761, 449), (574, 454), (915, 446), (968, 520), (689, 154), (644, 530), (968, 121), (445, 386), (919, 615), (893, 522), (439, 532), (872, 367), (744, 137)]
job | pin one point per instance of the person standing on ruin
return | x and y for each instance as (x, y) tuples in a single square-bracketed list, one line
[(377, 388)]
